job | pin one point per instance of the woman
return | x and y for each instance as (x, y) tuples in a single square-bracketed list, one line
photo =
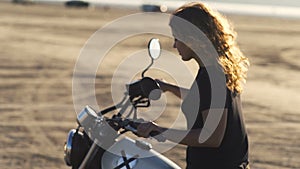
[(216, 135)]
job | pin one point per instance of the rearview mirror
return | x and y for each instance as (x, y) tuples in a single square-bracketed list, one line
[(154, 48)]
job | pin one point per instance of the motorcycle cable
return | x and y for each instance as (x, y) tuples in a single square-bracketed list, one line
[(114, 107)]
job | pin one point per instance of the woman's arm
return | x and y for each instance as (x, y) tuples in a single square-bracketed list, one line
[(180, 92), (193, 137)]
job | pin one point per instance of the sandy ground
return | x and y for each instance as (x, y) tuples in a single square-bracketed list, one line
[(38, 50)]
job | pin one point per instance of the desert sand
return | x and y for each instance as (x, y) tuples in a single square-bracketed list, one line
[(39, 46)]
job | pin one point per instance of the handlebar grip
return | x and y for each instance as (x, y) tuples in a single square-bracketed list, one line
[(155, 134), (145, 87), (134, 124)]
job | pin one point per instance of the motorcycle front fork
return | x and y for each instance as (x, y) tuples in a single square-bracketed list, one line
[(90, 155)]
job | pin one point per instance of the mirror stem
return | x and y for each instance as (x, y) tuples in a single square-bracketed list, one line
[(147, 68)]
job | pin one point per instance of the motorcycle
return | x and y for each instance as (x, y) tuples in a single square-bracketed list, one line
[(95, 142)]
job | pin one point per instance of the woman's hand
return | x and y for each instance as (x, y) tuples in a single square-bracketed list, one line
[(145, 128)]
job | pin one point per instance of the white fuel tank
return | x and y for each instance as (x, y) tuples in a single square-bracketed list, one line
[(133, 154)]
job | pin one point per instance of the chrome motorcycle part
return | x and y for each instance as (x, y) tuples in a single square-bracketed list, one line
[(68, 147), (87, 117)]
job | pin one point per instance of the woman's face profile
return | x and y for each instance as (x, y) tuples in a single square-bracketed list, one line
[(184, 51)]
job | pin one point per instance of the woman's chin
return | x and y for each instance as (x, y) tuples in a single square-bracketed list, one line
[(185, 59)]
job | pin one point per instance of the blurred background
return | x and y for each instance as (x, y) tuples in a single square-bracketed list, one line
[(40, 41)]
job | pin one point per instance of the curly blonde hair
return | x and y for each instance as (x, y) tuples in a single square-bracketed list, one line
[(222, 36)]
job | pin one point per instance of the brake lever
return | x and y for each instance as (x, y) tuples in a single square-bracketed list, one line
[(141, 102)]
